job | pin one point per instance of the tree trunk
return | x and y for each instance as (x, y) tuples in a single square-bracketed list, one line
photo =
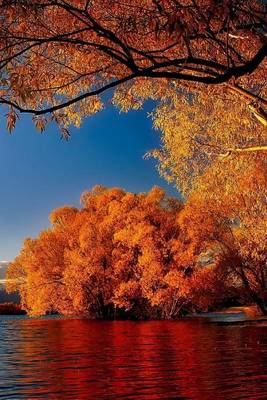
[(253, 295)]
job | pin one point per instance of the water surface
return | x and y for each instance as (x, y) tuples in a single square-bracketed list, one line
[(79, 359)]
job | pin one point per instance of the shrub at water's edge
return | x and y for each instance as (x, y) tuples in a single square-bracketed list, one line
[(11, 309)]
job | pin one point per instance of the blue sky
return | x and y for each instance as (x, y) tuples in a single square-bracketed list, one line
[(39, 172)]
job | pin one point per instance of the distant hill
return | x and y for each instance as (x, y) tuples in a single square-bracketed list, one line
[(4, 296)]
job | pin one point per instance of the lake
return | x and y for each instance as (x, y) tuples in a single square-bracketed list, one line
[(54, 358)]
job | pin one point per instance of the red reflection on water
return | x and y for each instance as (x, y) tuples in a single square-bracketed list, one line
[(79, 359)]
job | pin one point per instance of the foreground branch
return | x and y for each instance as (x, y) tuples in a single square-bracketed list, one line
[(243, 150)]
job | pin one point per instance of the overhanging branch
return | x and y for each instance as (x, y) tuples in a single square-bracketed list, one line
[(243, 150)]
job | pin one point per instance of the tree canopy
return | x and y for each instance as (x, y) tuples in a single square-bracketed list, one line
[(199, 134), (203, 63), (125, 255), (58, 56)]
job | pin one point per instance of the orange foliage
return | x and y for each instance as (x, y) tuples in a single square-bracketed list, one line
[(224, 222), (58, 55), (122, 255)]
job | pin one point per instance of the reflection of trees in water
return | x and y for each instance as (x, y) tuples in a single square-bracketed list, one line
[(149, 360)]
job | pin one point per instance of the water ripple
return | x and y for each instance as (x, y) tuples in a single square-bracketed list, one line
[(78, 359)]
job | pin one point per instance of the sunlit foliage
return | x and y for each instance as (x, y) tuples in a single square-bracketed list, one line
[(116, 257), (58, 56), (198, 133), (228, 213), (203, 63)]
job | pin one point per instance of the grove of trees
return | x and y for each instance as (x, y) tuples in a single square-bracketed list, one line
[(125, 255), (203, 64)]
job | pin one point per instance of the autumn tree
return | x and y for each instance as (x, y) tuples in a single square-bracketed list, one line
[(106, 260), (225, 218), (198, 134), (58, 57), (37, 274), (144, 247), (126, 255)]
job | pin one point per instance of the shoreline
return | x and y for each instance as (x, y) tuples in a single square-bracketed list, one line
[(230, 315), (10, 308)]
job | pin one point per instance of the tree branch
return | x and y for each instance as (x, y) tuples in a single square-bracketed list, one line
[(242, 150)]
